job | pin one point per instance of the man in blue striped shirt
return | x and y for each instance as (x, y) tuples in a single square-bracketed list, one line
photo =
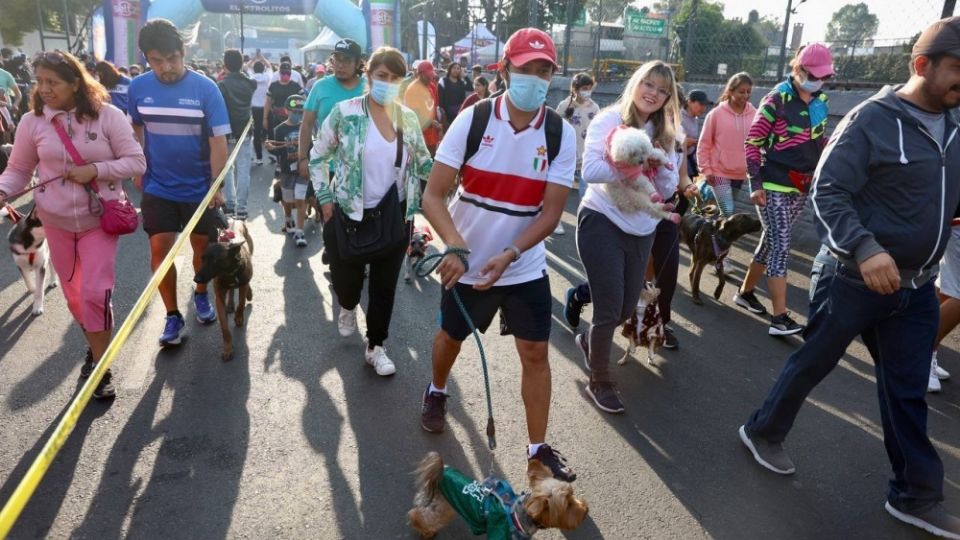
[(181, 119)]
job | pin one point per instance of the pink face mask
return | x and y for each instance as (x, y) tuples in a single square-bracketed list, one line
[(284, 77)]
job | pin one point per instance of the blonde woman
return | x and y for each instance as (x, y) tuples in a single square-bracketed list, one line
[(614, 245)]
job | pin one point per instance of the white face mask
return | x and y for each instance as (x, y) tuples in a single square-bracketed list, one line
[(585, 94), (810, 86)]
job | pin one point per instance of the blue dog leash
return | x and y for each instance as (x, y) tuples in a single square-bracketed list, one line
[(423, 270)]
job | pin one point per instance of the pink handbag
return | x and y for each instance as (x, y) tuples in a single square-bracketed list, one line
[(117, 216)]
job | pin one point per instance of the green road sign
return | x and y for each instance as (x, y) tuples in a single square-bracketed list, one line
[(634, 21)]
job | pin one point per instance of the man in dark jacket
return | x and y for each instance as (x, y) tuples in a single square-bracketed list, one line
[(885, 191), (237, 89)]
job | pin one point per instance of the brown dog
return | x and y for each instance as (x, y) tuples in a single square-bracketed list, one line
[(709, 239), (491, 506), (229, 263)]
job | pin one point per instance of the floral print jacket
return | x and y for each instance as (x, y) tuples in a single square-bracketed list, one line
[(342, 137)]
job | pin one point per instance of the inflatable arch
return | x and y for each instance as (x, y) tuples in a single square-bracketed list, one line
[(372, 24)]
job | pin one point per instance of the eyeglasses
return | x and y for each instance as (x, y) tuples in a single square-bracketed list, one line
[(662, 92)]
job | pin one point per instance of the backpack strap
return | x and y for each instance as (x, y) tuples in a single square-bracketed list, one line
[(553, 129), (478, 124)]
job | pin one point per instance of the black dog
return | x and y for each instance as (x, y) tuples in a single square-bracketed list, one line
[(709, 239), (229, 263)]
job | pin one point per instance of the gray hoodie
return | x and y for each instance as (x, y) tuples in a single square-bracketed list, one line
[(884, 184)]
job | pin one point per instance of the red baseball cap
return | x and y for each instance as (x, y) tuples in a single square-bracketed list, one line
[(528, 44), (817, 60), (425, 67)]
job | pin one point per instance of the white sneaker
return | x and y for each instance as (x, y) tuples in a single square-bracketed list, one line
[(380, 362), (942, 374), (347, 322), (933, 383), (299, 238), (559, 230)]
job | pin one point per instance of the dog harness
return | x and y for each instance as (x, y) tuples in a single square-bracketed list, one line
[(718, 251), (489, 507)]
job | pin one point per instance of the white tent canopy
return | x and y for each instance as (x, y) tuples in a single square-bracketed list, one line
[(480, 43), (480, 36), (324, 41)]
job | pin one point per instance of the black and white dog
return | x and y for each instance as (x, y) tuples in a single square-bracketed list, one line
[(28, 244), (416, 250)]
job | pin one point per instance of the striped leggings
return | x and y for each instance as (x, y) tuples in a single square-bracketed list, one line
[(778, 217)]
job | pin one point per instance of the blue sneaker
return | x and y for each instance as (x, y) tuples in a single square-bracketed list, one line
[(172, 331), (205, 312)]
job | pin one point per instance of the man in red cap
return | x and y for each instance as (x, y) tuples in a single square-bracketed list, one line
[(514, 187), (884, 194), (421, 96)]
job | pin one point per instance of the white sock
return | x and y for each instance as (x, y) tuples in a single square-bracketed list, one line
[(435, 389), (532, 449)]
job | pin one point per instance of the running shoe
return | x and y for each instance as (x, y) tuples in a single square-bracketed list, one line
[(173, 331), (556, 462), (433, 410), (105, 389), (783, 325), (205, 312), (380, 361), (748, 301), (299, 238), (87, 368), (572, 308)]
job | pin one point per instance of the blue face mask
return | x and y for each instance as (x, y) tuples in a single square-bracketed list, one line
[(527, 92), (295, 117), (383, 92)]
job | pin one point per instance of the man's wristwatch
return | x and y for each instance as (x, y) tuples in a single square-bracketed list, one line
[(516, 252)]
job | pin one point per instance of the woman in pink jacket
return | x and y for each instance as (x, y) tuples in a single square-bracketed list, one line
[(82, 253), (720, 148)]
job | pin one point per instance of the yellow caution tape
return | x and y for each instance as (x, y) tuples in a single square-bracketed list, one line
[(14, 506)]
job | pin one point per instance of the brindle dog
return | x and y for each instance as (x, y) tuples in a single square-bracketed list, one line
[(229, 263), (709, 237)]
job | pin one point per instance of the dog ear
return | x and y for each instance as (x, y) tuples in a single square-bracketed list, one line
[(553, 505), (537, 472)]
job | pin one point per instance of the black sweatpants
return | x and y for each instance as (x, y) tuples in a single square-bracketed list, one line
[(348, 277), (258, 131), (666, 263)]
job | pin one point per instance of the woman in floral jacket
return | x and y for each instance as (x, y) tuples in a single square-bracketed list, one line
[(361, 134)]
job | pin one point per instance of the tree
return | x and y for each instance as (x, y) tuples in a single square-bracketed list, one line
[(717, 40), (852, 24), (20, 17), (612, 9)]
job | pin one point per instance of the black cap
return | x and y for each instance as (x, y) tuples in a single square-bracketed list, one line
[(941, 37), (349, 48), (295, 103), (285, 67), (699, 96)]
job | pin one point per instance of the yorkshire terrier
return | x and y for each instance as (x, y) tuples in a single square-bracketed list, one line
[(491, 506)]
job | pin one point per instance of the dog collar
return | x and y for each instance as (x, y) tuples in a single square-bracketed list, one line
[(523, 525)]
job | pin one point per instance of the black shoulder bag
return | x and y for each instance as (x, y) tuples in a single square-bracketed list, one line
[(382, 230)]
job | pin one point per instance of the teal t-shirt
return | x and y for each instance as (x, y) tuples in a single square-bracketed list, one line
[(327, 92), (7, 82), (468, 498)]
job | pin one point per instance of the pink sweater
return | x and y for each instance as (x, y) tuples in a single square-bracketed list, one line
[(720, 148), (107, 142)]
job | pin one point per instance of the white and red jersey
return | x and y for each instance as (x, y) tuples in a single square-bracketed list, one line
[(502, 187)]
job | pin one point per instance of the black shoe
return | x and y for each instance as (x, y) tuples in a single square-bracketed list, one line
[(669, 340), (748, 300), (935, 520), (783, 325), (605, 397), (105, 389), (572, 308), (325, 257), (87, 368), (433, 410), (584, 345), (556, 462)]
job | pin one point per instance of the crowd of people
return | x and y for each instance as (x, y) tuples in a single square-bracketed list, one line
[(377, 142)]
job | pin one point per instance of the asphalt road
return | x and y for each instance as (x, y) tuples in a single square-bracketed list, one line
[(298, 438)]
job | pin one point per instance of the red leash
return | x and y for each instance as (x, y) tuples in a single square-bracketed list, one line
[(12, 212)]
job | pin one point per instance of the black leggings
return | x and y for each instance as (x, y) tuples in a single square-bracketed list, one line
[(348, 277), (258, 131)]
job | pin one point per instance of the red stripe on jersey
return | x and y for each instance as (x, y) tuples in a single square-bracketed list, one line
[(502, 187)]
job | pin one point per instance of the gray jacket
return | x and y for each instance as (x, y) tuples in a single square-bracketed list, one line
[(884, 184)]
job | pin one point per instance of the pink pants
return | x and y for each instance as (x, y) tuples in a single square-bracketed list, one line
[(84, 262)]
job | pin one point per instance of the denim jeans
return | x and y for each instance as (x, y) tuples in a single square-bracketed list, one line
[(236, 184), (897, 330)]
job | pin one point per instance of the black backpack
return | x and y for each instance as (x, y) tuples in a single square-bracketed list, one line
[(553, 128)]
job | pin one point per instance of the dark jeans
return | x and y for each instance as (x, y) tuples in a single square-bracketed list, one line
[(897, 330), (666, 264), (258, 131), (347, 279)]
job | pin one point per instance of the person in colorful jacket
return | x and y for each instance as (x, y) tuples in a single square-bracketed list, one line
[(783, 146), (83, 255), (361, 134)]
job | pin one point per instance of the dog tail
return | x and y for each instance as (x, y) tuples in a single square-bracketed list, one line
[(428, 474)]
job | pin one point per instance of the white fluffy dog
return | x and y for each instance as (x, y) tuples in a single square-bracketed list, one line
[(632, 152)]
